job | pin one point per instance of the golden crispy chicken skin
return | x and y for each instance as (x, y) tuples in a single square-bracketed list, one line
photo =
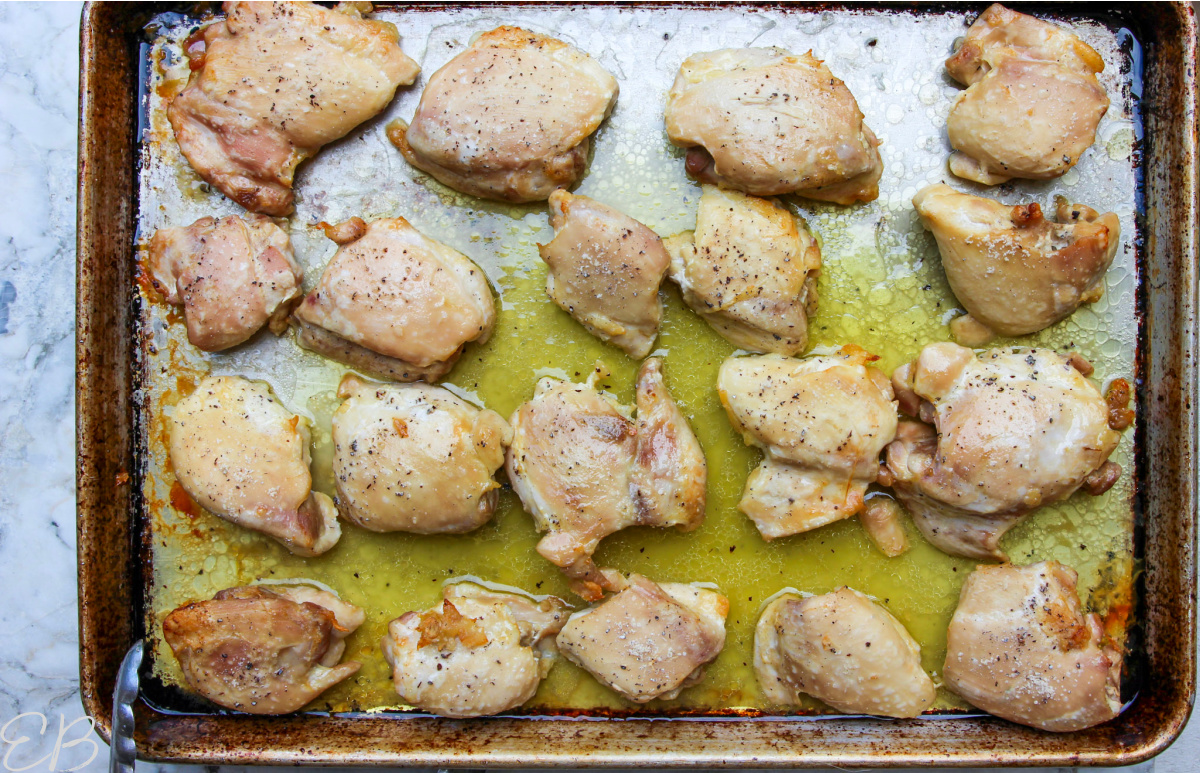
[(767, 122), (394, 303), (821, 422), (272, 84), (605, 269), (263, 650), (231, 275), (843, 649), (415, 457), (510, 118), (1014, 271), (1020, 647), (1033, 101), (244, 457), (649, 640), (749, 269), (583, 469), (1001, 434), (475, 653)]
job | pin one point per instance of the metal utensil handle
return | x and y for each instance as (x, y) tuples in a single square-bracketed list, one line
[(123, 752)]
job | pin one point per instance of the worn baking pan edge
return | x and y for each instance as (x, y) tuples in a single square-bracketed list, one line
[(109, 573)]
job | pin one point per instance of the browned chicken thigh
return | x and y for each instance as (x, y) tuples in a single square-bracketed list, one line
[(244, 457), (275, 81), (649, 640), (263, 650), (415, 457), (1014, 271), (821, 422), (395, 303), (1001, 434), (1020, 647), (749, 269), (510, 118), (476, 652), (231, 275), (1033, 101), (584, 470), (843, 649), (605, 269), (767, 122)]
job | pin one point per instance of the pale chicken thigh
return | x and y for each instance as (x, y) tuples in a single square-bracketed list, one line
[(231, 275), (244, 457), (510, 118), (843, 649), (605, 269), (767, 122), (263, 650), (822, 423), (415, 457), (649, 640), (1020, 647), (749, 269), (583, 469), (1014, 271), (394, 303), (1001, 434), (476, 652), (1033, 101), (275, 81)]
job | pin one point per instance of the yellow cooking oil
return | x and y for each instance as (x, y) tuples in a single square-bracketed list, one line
[(881, 287)]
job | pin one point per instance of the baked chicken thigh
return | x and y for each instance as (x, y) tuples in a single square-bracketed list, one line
[(275, 81), (244, 457), (1020, 647), (767, 122), (1033, 101), (414, 457), (605, 269), (821, 422), (263, 650), (584, 470), (395, 303), (749, 269), (476, 652), (1014, 271), (1000, 435), (510, 118), (843, 649), (231, 275), (649, 640)]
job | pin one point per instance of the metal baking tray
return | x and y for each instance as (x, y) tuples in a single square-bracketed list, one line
[(112, 400)]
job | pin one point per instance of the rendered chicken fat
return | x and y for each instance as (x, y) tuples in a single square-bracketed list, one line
[(231, 275), (1020, 647), (1032, 102), (749, 269), (277, 81), (509, 118), (822, 423), (605, 269), (1014, 429), (263, 650), (1014, 271), (396, 304), (767, 122), (648, 641), (244, 457), (845, 650), (415, 458), (475, 653)]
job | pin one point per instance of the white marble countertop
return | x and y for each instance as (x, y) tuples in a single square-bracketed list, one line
[(38, 635)]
